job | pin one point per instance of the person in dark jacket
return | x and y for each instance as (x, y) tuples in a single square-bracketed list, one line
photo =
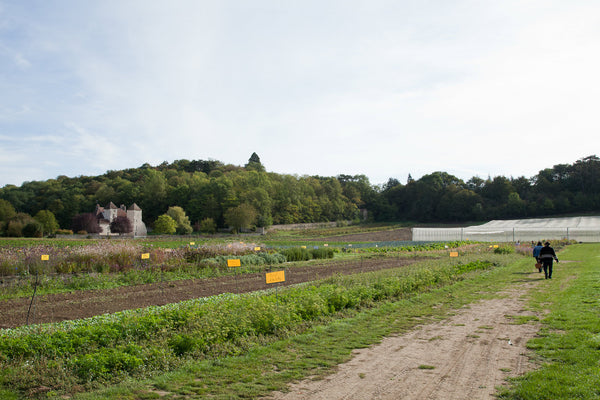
[(536, 253), (547, 254)]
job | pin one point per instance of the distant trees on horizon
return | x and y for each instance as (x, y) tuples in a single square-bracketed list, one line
[(206, 195)]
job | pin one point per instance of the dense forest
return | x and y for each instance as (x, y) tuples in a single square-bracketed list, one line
[(210, 190)]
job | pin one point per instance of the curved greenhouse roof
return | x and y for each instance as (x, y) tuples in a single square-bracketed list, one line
[(583, 229)]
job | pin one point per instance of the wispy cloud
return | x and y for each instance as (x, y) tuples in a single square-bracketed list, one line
[(379, 88)]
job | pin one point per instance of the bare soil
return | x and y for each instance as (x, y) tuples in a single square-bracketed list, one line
[(464, 357), (82, 304)]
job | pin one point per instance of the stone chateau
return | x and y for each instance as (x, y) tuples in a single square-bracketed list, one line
[(107, 214)]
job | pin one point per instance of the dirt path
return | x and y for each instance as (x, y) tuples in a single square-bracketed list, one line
[(463, 357)]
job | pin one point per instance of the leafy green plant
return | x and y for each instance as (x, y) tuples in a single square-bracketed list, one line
[(136, 343), (321, 252), (504, 249), (296, 254)]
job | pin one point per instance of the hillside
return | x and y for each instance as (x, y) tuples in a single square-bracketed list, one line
[(208, 190)]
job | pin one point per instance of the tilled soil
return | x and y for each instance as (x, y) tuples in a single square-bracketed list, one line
[(76, 305)]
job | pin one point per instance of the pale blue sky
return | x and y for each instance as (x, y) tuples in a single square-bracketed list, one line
[(381, 88)]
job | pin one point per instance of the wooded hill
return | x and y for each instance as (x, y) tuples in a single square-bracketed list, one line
[(207, 189)]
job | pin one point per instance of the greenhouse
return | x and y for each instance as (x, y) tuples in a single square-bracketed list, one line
[(581, 229)]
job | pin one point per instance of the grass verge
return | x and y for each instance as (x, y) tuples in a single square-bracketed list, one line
[(568, 345)]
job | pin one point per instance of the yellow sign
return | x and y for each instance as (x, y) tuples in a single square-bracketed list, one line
[(145, 256), (45, 257), (277, 276), (454, 254), (495, 246), (302, 247), (257, 248), (192, 243), (234, 263)]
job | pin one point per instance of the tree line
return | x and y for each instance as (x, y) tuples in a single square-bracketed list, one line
[(214, 195)]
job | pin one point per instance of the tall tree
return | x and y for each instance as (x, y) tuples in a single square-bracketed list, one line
[(254, 163), (242, 216), (85, 222), (183, 222), (121, 225), (7, 211), (48, 221), (165, 225)]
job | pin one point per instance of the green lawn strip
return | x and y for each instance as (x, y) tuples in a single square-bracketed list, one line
[(568, 345), (314, 353)]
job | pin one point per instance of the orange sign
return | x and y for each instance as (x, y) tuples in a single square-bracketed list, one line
[(454, 254), (234, 263), (277, 276), (45, 257)]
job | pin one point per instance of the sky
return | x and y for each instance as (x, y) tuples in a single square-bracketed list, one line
[(377, 88)]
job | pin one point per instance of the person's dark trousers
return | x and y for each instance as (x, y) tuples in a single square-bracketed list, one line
[(547, 265)]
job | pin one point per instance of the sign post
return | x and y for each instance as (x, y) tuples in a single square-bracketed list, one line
[(44, 257), (235, 262), (275, 277)]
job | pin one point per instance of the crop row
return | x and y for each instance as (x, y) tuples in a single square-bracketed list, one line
[(107, 349), (122, 256)]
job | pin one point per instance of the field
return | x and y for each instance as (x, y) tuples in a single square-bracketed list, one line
[(181, 324), (83, 304)]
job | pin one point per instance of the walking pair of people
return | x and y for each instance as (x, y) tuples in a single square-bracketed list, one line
[(544, 255)]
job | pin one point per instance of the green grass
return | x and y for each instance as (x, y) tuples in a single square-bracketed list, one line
[(568, 345)]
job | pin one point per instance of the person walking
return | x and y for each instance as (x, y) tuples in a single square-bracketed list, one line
[(547, 254), (536, 255)]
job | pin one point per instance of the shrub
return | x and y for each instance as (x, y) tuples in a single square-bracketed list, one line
[(181, 344), (33, 229), (14, 229), (165, 225), (207, 225), (323, 252), (107, 362), (504, 250), (296, 254)]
